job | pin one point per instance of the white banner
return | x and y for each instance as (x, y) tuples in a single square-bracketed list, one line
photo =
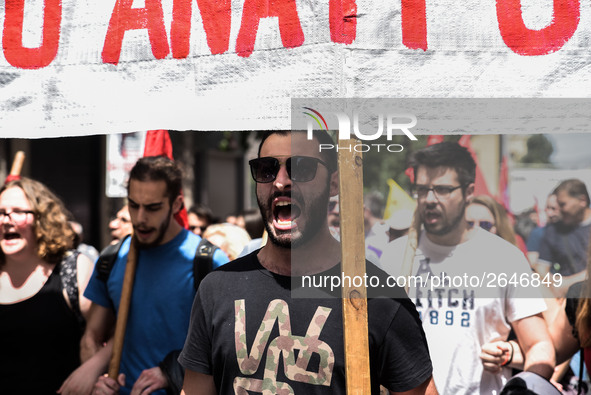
[(76, 67)]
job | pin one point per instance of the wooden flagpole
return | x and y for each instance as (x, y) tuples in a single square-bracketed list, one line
[(123, 312), (353, 264), (17, 164)]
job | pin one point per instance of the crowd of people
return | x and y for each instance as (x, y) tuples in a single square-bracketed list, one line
[(212, 309)]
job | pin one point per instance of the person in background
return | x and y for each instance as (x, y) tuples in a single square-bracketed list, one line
[(120, 226), (483, 211), (42, 281), (552, 211), (163, 290), (459, 317), (200, 217), (563, 248)]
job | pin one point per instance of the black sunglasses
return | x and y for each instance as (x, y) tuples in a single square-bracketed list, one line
[(486, 225), (299, 168)]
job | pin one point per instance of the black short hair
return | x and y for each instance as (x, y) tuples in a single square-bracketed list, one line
[(329, 156), (574, 187), (203, 212), (159, 168), (447, 154)]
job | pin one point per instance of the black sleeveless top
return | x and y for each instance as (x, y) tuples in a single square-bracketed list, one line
[(39, 341)]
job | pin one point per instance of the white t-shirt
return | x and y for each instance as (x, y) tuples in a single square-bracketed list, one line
[(459, 319)]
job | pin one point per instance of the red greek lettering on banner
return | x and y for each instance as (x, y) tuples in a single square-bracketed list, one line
[(342, 18), (528, 42), (290, 28), (125, 18), (217, 18), (12, 37), (414, 24)]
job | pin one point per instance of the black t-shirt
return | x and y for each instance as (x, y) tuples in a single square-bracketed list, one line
[(248, 332)]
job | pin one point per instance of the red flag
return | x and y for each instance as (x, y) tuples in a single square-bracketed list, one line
[(434, 139), (503, 197), (480, 187), (158, 143)]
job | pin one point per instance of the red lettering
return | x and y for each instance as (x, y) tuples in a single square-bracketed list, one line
[(414, 24), (217, 18), (289, 23), (524, 41), (342, 19), (31, 58), (125, 18)]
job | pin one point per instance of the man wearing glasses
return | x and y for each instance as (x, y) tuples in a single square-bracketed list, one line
[(250, 334), (456, 320)]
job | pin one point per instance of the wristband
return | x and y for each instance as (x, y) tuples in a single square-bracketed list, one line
[(510, 359)]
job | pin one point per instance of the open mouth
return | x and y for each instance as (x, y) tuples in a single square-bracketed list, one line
[(285, 214), (11, 236), (143, 233), (432, 217)]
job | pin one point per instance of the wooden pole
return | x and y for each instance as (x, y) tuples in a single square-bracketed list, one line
[(17, 163), (353, 264), (123, 313)]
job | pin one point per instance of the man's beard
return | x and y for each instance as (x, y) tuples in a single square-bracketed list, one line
[(313, 220), (449, 226), (161, 231)]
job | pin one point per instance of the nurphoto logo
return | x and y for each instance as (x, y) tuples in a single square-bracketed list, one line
[(394, 124)]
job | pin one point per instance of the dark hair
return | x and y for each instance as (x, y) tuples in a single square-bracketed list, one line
[(253, 223), (447, 154), (329, 156), (574, 187), (159, 168), (53, 232), (203, 212)]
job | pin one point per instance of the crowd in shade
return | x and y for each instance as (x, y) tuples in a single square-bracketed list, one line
[(187, 325)]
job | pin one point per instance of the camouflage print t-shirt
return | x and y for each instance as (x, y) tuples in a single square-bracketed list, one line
[(253, 337)]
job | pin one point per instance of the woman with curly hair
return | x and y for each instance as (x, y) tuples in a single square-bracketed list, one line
[(41, 285)]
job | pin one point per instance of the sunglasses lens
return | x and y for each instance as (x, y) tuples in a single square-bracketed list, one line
[(301, 168), (486, 225), (264, 169)]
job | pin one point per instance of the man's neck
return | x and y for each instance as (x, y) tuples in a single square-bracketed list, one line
[(316, 256), (458, 235)]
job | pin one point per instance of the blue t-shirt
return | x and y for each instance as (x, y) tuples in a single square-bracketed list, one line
[(162, 297)]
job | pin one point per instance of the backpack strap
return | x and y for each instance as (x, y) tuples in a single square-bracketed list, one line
[(69, 279), (203, 262), (106, 260)]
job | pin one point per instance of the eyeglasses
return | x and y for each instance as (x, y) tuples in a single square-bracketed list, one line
[(299, 168), (440, 191), (486, 225), (18, 217)]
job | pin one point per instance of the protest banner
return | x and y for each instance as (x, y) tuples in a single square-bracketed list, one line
[(78, 68)]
